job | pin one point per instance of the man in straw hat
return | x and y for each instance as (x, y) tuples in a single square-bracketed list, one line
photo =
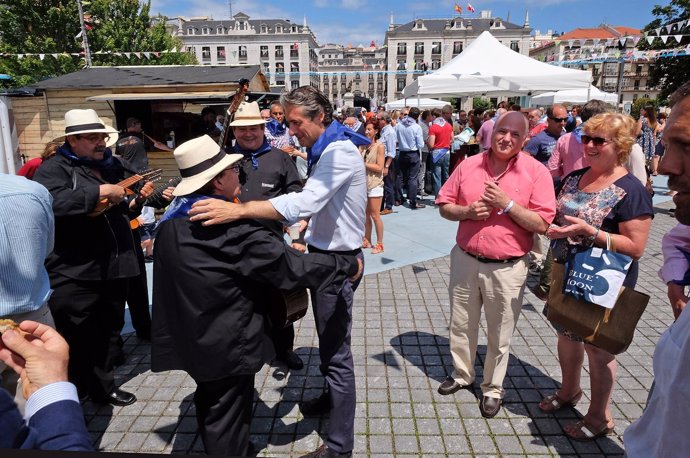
[(266, 172), (335, 199), (93, 257), (210, 294)]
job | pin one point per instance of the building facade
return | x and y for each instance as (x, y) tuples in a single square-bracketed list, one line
[(285, 51), (356, 70), (609, 52), (424, 45)]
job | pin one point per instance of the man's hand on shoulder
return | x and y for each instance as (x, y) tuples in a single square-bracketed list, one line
[(214, 211), (677, 297)]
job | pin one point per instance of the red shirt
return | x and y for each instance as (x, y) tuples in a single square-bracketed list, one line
[(443, 134), (30, 168), (526, 181)]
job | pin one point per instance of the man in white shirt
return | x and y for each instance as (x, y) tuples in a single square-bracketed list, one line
[(410, 143), (334, 200)]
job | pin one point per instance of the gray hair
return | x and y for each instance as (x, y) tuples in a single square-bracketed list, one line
[(312, 102), (593, 108)]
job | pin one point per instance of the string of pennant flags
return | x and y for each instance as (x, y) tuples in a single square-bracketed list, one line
[(139, 54)]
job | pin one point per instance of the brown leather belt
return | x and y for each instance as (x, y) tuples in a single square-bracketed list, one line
[(491, 260)]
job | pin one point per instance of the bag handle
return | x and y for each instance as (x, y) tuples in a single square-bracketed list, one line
[(609, 242)]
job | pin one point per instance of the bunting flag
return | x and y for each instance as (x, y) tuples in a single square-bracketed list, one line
[(458, 9), (470, 8)]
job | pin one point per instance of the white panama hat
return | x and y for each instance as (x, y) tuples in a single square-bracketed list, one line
[(200, 160), (87, 122), (248, 114)]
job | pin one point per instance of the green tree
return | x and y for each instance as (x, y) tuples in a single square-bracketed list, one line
[(668, 73), (479, 102), (52, 26), (639, 104)]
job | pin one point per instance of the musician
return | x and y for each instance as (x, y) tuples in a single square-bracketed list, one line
[(335, 199), (210, 288), (93, 257), (131, 146), (266, 172)]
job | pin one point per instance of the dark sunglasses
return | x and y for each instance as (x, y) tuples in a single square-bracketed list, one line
[(559, 119), (598, 141)]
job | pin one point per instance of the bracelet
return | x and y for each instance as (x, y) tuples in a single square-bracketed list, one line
[(589, 241), (508, 207)]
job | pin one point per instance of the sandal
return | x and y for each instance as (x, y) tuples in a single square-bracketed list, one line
[(366, 243), (378, 248), (585, 432), (554, 402)]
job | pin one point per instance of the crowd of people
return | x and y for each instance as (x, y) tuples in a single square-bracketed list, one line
[(526, 187)]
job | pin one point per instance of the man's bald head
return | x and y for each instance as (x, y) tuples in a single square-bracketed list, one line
[(509, 134)]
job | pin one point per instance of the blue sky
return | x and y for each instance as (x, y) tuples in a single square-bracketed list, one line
[(359, 21)]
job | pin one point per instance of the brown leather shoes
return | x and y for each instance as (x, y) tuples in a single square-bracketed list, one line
[(450, 386), (489, 407)]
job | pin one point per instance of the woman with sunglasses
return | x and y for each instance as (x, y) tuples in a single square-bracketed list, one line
[(599, 201)]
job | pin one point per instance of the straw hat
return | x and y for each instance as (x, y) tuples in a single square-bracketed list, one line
[(248, 114), (199, 161), (86, 122)]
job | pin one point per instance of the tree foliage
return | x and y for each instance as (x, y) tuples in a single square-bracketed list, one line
[(52, 26), (668, 73), (641, 103)]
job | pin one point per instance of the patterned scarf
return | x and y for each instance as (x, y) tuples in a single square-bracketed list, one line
[(276, 128), (254, 155)]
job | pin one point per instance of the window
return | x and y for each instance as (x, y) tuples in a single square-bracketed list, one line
[(435, 64), (204, 30), (402, 49), (220, 31), (342, 77), (436, 47), (636, 85), (457, 47), (515, 45), (419, 47), (358, 77), (400, 85), (379, 86), (264, 51), (280, 67), (294, 50), (401, 65), (220, 52), (279, 29), (279, 51), (264, 28), (371, 86), (206, 52), (267, 67), (243, 52), (294, 66), (294, 84), (191, 49), (293, 29), (280, 82)]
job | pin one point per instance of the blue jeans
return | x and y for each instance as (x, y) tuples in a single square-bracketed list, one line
[(440, 172)]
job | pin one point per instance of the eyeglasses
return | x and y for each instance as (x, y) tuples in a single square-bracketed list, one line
[(95, 138), (559, 119), (235, 168), (598, 141)]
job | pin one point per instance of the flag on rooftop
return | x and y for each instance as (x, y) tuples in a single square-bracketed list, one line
[(458, 9), (470, 8)]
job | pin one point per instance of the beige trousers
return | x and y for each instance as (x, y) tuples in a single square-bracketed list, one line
[(10, 379), (499, 289)]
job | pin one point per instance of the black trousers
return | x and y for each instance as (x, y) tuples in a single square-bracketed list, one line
[(88, 314), (224, 414), (409, 169), (283, 339), (138, 297)]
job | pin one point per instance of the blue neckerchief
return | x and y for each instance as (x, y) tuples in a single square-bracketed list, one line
[(333, 133), (276, 128), (105, 163), (180, 206), (578, 131), (264, 148)]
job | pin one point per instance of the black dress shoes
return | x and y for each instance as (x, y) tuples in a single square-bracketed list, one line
[(325, 452), (450, 386), (117, 397), (489, 407), (291, 360), (316, 406)]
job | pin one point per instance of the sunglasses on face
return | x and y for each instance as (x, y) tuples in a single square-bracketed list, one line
[(598, 141), (559, 119)]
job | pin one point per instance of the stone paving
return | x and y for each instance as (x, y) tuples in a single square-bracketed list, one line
[(400, 343)]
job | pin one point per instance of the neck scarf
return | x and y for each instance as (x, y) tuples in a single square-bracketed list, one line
[(276, 128), (180, 206), (333, 133), (578, 131), (407, 121), (254, 155), (105, 163), (440, 121)]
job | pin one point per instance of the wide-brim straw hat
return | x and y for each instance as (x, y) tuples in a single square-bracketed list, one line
[(87, 122), (248, 114), (200, 160)]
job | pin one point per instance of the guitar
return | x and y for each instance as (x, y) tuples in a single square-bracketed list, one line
[(294, 306), (230, 113), (148, 175), (155, 196)]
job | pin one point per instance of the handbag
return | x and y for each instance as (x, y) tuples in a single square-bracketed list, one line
[(610, 329)]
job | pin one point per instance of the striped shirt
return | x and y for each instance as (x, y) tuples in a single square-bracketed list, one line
[(27, 232)]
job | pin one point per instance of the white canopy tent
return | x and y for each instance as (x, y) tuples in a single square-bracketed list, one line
[(487, 67), (415, 102), (574, 96)]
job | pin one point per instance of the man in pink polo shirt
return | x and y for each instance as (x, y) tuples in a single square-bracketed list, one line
[(501, 198)]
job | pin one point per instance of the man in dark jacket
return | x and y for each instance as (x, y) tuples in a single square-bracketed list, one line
[(94, 254), (266, 172), (210, 293)]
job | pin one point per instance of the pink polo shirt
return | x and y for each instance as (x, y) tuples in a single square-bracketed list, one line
[(568, 155), (526, 181)]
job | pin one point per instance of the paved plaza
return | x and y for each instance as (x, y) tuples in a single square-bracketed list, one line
[(400, 343)]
